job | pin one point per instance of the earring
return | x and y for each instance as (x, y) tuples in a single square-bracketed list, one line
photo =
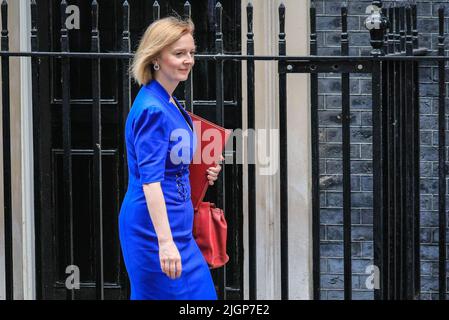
[(156, 66)]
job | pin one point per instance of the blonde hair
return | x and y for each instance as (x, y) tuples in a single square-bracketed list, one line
[(160, 34)]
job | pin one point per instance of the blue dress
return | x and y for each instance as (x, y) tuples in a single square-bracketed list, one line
[(160, 146)]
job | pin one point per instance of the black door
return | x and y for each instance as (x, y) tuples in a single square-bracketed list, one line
[(51, 219)]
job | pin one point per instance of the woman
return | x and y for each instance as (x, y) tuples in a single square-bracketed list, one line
[(162, 259)]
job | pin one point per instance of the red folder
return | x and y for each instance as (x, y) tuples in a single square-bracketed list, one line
[(211, 141)]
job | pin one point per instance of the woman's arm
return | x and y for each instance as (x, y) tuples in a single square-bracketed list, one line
[(170, 258)]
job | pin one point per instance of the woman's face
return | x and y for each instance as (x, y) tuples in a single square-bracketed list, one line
[(177, 60)]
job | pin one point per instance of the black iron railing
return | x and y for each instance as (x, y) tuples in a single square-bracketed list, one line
[(394, 66)]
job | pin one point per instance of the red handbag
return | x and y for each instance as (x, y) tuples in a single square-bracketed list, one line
[(210, 233)]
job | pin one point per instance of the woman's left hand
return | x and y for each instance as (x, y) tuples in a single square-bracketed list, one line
[(212, 172)]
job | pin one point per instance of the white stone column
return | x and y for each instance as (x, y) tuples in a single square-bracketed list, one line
[(21, 158), (27, 159), (266, 29)]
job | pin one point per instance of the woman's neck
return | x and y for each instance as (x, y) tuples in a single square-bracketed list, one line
[(169, 86)]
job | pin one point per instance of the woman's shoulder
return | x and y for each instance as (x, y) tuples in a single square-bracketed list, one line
[(149, 111), (146, 110), (148, 116), (147, 98), (146, 102)]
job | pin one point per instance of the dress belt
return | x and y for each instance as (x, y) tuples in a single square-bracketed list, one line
[(175, 177)]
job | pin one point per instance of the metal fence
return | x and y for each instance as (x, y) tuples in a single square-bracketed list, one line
[(395, 108), (394, 67)]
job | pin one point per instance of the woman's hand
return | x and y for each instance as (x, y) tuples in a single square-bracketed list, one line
[(212, 172), (170, 259)]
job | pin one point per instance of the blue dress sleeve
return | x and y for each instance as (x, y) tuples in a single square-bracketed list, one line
[(151, 141)]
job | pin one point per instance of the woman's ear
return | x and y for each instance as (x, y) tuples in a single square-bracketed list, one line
[(156, 59)]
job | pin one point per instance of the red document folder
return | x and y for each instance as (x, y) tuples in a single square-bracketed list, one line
[(211, 142)]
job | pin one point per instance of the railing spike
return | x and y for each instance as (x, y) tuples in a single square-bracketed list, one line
[(4, 9), (156, 10), (187, 9)]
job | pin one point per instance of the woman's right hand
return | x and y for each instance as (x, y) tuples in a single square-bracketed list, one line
[(170, 259)]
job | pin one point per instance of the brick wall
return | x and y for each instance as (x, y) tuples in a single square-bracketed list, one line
[(328, 26)]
